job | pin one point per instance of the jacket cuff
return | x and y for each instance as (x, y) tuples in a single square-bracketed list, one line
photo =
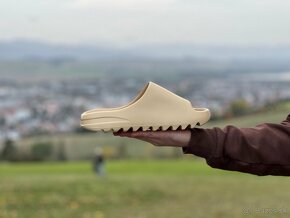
[(202, 143)]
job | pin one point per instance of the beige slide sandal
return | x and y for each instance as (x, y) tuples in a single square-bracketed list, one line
[(155, 108)]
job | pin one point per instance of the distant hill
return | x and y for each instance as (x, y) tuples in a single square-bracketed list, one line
[(27, 50), (18, 58)]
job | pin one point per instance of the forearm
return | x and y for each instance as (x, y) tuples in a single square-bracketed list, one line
[(262, 150)]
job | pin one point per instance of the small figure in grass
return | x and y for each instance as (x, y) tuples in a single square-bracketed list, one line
[(99, 162)]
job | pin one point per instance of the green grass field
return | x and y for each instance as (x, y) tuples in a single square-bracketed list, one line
[(155, 188), (184, 187)]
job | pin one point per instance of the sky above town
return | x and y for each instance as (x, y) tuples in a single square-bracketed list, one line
[(133, 22)]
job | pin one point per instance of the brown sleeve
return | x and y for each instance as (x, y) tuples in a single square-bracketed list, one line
[(262, 150)]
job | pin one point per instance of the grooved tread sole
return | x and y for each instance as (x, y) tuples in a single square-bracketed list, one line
[(148, 128)]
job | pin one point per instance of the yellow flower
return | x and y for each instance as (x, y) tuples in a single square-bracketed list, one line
[(74, 205)]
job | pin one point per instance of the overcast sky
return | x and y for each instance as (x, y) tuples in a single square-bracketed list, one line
[(130, 22)]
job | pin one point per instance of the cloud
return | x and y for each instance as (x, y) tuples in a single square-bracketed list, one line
[(124, 22)]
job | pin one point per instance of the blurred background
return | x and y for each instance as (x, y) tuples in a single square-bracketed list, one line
[(61, 58)]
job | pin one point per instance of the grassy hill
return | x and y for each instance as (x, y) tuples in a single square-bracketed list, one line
[(252, 120)]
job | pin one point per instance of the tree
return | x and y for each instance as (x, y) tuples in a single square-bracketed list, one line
[(9, 151), (41, 150), (239, 107)]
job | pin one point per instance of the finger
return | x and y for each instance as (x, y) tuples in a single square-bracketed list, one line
[(136, 134)]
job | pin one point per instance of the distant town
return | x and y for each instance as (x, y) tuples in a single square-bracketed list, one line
[(55, 106)]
